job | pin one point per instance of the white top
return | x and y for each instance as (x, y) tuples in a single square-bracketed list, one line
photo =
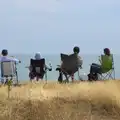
[(6, 58)]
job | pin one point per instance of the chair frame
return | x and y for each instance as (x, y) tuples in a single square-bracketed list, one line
[(9, 77)]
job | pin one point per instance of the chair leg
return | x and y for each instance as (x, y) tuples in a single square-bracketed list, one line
[(46, 76), (17, 78), (108, 76), (72, 77), (114, 74), (30, 80), (2, 80), (60, 78), (37, 78), (67, 79), (79, 78)]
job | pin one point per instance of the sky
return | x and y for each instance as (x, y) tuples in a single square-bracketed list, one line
[(55, 26)]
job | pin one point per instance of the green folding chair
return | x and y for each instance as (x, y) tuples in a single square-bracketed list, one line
[(107, 65)]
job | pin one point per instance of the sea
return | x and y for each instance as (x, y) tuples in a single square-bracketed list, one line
[(54, 60)]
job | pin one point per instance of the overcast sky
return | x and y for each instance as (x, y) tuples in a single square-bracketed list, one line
[(54, 26)]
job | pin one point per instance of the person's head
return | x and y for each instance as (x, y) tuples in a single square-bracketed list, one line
[(4, 52), (76, 49), (37, 56), (107, 51)]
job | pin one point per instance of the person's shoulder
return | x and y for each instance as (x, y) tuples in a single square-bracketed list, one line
[(79, 57), (9, 58)]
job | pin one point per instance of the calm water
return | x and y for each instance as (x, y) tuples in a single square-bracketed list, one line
[(55, 60)]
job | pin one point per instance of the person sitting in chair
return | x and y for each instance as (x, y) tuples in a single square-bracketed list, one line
[(37, 57), (96, 69), (76, 51), (4, 57), (32, 75)]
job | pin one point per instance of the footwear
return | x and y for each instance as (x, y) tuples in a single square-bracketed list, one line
[(60, 78), (58, 69)]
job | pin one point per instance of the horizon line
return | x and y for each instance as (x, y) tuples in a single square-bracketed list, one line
[(59, 53)]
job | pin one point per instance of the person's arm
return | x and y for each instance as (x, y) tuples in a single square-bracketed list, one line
[(15, 60), (48, 67)]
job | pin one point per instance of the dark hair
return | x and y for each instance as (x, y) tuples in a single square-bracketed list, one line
[(107, 51), (76, 49), (4, 52)]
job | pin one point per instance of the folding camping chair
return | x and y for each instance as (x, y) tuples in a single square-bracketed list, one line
[(38, 68), (9, 72), (69, 66), (107, 65)]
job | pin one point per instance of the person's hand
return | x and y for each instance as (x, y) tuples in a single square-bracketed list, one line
[(80, 66)]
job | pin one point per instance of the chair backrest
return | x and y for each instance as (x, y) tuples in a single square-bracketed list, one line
[(8, 69), (107, 62), (69, 63), (37, 65)]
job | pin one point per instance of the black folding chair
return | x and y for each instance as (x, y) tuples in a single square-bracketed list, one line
[(38, 68), (69, 66)]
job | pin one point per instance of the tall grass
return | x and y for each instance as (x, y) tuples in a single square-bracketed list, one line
[(52, 101)]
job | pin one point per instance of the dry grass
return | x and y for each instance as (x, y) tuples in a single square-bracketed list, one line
[(52, 101)]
